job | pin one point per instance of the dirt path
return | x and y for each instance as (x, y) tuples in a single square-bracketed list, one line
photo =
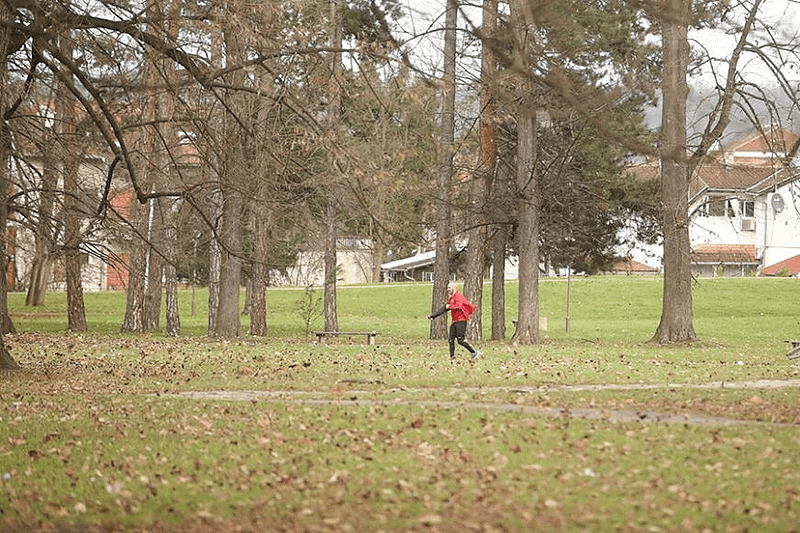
[(585, 413)]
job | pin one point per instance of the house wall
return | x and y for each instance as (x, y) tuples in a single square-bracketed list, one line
[(706, 270), (729, 229), (355, 266), (776, 236), (781, 240)]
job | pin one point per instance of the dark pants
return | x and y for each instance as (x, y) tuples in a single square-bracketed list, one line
[(458, 330)]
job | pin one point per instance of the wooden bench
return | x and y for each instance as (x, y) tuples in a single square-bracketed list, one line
[(794, 353), (322, 334)]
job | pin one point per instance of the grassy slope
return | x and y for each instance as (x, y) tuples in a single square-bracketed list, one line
[(95, 430), (609, 309)]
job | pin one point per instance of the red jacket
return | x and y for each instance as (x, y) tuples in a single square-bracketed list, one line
[(460, 307)]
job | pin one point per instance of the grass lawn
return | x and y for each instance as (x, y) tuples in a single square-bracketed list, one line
[(594, 429)]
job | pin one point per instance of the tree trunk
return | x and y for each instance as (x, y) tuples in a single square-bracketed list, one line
[(676, 316), (331, 316), (475, 261), (40, 274), (214, 264), (259, 277), (155, 265), (528, 229), (133, 322), (228, 318), (441, 265), (500, 240), (141, 214), (172, 317), (499, 245), (43, 237), (330, 311), (6, 325), (376, 259), (484, 178), (527, 188), (76, 311)]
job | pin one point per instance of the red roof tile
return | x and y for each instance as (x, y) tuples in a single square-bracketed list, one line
[(716, 176), (629, 265), (724, 254), (778, 140), (792, 266)]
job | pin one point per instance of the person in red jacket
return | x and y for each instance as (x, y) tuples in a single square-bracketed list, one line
[(460, 309)]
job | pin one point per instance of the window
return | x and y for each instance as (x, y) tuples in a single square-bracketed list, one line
[(747, 208)]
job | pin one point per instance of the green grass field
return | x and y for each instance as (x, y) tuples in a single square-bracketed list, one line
[(594, 429)]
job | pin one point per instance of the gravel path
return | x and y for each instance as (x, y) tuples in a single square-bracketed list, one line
[(305, 398)]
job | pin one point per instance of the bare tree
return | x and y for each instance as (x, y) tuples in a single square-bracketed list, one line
[(6, 46), (332, 129), (677, 166), (444, 239), (676, 318), (484, 177)]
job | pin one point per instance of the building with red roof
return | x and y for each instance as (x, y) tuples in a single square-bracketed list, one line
[(787, 267), (744, 203)]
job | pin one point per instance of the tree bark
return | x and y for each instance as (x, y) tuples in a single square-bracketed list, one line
[(528, 229), (73, 219), (133, 322), (499, 245), (76, 311), (500, 238), (259, 277), (676, 316), (228, 318), (527, 188), (43, 236), (475, 262), (172, 315), (484, 178), (141, 214), (214, 263), (6, 325), (155, 264), (444, 238), (330, 313)]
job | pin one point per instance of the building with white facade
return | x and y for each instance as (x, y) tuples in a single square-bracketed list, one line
[(744, 207)]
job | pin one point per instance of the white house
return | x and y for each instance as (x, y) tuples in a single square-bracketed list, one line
[(745, 197), (744, 207), (419, 267), (355, 263)]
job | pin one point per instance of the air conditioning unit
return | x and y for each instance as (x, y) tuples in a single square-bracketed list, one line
[(748, 224)]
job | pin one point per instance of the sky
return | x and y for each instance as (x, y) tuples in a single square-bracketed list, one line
[(783, 14)]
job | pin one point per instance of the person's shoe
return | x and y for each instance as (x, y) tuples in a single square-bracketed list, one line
[(475, 355)]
